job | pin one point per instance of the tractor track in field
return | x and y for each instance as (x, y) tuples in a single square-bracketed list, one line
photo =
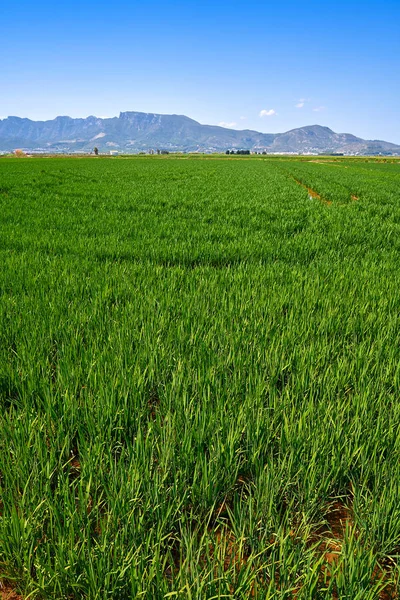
[(313, 195)]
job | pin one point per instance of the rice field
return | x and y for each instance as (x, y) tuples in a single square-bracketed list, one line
[(199, 378)]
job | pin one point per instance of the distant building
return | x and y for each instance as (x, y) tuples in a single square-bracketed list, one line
[(114, 152)]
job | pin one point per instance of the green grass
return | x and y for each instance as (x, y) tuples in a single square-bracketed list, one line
[(197, 362)]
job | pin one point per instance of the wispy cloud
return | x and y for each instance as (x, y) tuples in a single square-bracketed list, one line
[(302, 102), (268, 113), (243, 118), (319, 108), (228, 125)]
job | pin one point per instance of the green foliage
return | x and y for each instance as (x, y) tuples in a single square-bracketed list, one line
[(196, 360)]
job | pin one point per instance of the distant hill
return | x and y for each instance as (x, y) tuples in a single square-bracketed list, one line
[(136, 131)]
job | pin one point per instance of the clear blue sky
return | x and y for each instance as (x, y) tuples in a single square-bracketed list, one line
[(217, 61)]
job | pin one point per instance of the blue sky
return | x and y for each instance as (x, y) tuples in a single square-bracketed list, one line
[(269, 66)]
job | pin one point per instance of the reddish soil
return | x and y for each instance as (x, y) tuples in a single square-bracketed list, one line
[(75, 466), (232, 551), (331, 534), (339, 519), (7, 592), (354, 198), (328, 540), (312, 193), (322, 162)]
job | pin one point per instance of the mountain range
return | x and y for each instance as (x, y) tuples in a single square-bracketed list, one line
[(136, 131)]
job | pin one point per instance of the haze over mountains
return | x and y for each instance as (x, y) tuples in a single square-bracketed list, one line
[(136, 131)]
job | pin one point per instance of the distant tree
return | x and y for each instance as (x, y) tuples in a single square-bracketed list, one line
[(96, 151), (19, 153)]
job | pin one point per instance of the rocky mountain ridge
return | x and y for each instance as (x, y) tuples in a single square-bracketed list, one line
[(136, 131)]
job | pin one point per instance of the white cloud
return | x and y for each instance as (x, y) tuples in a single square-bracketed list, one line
[(302, 102), (243, 118), (268, 113), (319, 108), (227, 125)]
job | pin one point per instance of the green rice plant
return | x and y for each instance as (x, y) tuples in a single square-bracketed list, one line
[(198, 363)]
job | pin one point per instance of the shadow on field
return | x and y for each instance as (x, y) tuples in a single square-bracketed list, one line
[(9, 392)]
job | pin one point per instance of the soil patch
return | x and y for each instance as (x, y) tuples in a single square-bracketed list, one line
[(338, 520), (7, 592), (322, 162), (312, 194)]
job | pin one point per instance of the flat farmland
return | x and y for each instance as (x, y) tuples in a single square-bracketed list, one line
[(199, 378)]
